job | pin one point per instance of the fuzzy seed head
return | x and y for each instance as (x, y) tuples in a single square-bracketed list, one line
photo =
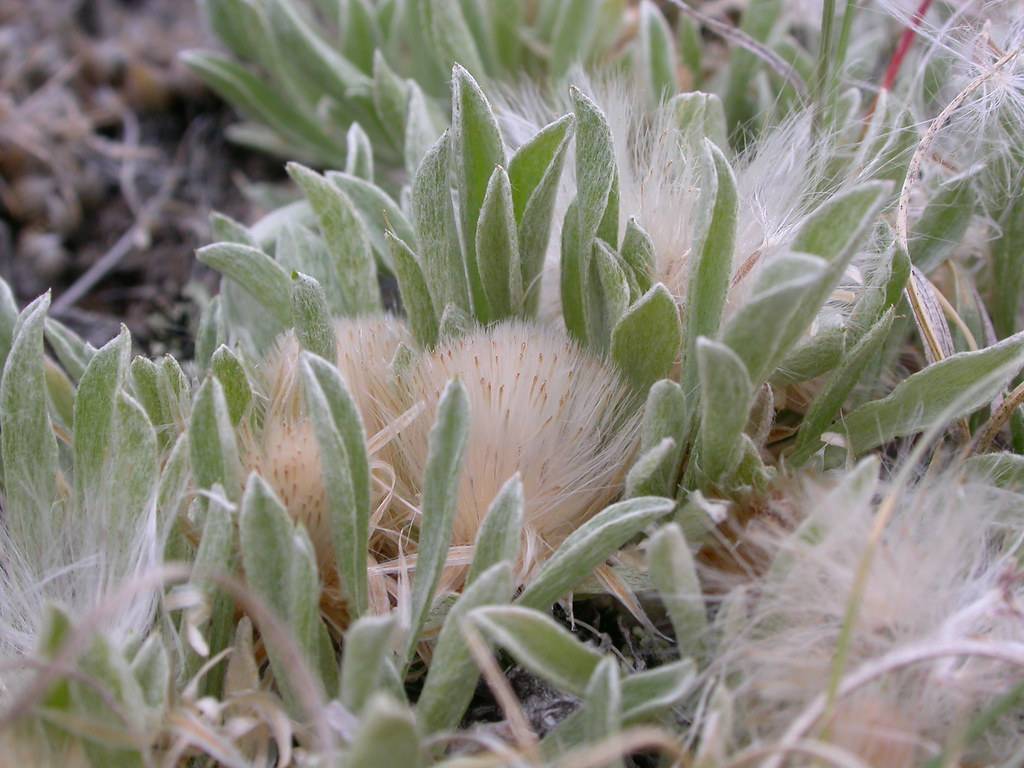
[(540, 406), (286, 453), (943, 571)]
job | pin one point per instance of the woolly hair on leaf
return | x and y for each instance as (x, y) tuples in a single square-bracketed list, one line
[(780, 180), (540, 406), (944, 570)]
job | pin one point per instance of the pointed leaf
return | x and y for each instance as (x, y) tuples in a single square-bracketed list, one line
[(497, 249), (261, 276), (446, 447), (645, 342), (451, 679), (589, 546)]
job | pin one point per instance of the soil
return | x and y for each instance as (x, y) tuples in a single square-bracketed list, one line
[(105, 136)]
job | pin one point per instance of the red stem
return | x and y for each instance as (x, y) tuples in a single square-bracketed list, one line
[(906, 39)]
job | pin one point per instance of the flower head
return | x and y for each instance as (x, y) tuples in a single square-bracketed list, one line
[(539, 406)]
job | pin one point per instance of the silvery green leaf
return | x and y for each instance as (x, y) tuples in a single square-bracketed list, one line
[(420, 129), (596, 173), (691, 47), (265, 532), (454, 323), (645, 696), (387, 737), (657, 53), (105, 665), (215, 555), (262, 277), (665, 415), (830, 400), (152, 670), (1008, 268), (242, 672), (1002, 469), (497, 249), (647, 693), (26, 435), (62, 395), (453, 41), (419, 309), (346, 238), (252, 96), (476, 149), (482, 32), (759, 18), (647, 476), (359, 154), (589, 546), (360, 27), (229, 371), (446, 447), (211, 333), (535, 171), (762, 416), (607, 295), (237, 24), (674, 575), (299, 249), (346, 474), (645, 342), (602, 705), (711, 272), (326, 661), (225, 229), (73, 352), (307, 57), (834, 232), (312, 317), (378, 212), (532, 163), (132, 470), (942, 392), (756, 331), (303, 596), (499, 536), (368, 645), (175, 390), (726, 396), (815, 357), (95, 420), (698, 116), (507, 21), (8, 318), (145, 380), (571, 275), (213, 448), (840, 225), (540, 644), (943, 224), (390, 98), (638, 254), (451, 679), (175, 479), (574, 30), (438, 237)]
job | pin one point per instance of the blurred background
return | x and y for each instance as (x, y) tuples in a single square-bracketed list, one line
[(112, 156)]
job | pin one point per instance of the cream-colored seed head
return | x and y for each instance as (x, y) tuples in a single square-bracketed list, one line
[(286, 453), (539, 406)]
